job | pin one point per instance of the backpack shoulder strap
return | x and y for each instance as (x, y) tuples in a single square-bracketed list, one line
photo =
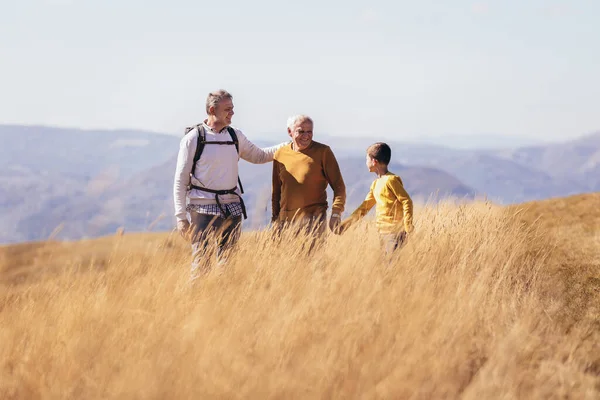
[(235, 141), (199, 146), (234, 138)]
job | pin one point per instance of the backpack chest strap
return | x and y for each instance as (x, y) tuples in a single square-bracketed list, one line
[(217, 142), (218, 193)]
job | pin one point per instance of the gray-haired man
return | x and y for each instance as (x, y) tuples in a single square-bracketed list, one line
[(210, 184)]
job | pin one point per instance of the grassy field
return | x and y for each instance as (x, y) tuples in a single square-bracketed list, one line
[(483, 302)]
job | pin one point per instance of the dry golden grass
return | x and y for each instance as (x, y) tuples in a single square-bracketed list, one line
[(483, 302)]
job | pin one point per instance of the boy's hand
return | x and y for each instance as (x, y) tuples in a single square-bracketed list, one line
[(334, 223), (343, 226)]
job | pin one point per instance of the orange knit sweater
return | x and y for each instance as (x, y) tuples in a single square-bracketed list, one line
[(300, 180)]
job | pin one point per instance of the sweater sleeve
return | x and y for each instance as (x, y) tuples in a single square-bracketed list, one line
[(365, 206), (398, 190), (276, 193), (335, 180), (362, 210), (254, 154), (185, 161)]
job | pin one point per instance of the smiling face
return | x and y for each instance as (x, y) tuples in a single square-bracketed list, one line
[(301, 134), (223, 112)]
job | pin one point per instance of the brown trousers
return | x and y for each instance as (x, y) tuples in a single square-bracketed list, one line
[(312, 227)]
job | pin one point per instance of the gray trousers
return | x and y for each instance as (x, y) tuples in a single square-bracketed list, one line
[(212, 234), (392, 241)]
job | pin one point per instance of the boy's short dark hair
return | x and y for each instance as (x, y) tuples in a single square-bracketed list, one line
[(381, 152)]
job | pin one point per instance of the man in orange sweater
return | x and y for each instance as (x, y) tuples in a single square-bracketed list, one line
[(301, 172)]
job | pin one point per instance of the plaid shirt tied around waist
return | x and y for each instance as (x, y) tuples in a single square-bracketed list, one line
[(234, 209)]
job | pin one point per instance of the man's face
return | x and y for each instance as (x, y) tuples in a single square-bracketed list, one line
[(302, 135), (223, 111)]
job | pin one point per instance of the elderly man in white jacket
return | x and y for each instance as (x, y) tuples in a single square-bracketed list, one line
[(211, 185)]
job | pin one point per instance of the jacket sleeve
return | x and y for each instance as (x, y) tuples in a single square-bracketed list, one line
[(397, 188), (254, 154), (185, 160), (335, 180)]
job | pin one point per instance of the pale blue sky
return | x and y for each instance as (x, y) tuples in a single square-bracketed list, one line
[(394, 69)]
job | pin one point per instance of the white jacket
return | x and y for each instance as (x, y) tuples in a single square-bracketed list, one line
[(217, 168)]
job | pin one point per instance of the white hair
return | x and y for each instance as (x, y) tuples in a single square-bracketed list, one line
[(295, 120)]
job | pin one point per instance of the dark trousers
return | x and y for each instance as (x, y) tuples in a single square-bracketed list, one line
[(212, 234)]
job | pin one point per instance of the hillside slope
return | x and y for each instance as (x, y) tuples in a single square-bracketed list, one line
[(87, 183)]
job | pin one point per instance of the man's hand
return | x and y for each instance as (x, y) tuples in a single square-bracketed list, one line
[(334, 222), (276, 225), (183, 227)]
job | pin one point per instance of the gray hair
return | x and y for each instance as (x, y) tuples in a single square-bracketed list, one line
[(215, 98), (298, 119)]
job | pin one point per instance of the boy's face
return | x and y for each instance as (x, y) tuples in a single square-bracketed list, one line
[(371, 163)]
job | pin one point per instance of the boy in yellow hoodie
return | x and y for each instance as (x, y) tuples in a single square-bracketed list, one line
[(394, 211)]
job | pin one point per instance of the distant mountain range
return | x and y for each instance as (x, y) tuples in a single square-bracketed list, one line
[(73, 183)]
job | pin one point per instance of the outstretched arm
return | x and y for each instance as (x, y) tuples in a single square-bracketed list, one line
[(362, 210), (254, 154)]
